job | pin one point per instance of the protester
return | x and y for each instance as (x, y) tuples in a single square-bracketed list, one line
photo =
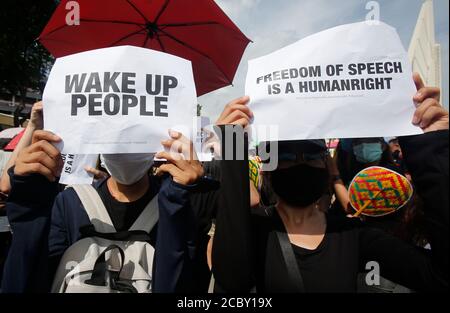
[(297, 247), (45, 224), (203, 202)]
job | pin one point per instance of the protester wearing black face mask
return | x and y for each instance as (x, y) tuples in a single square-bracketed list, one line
[(308, 171), (297, 247)]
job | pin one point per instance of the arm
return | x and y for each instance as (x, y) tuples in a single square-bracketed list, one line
[(340, 190), (342, 195), (5, 184), (25, 141), (174, 249), (255, 199), (427, 157), (29, 208), (175, 241), (232, 252)]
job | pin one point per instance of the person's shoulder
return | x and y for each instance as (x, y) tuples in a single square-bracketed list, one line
[(69, 202), (69, 210)]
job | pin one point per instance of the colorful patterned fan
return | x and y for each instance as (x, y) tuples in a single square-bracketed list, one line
[(378, 191), (254, 166)]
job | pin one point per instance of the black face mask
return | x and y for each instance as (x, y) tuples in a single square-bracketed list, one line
[(300, 185)]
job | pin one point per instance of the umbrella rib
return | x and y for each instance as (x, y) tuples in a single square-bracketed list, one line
[(188, 24), (195, 50), (145, 41), (125, 37), (160, 43), (53, 31), (138, 11), (112, 21), (161, 11)]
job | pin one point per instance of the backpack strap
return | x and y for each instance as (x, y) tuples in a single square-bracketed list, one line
[(95, 209), (290, 261), (148, 218)]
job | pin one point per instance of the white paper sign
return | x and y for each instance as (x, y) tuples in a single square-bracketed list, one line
[(349, 81), (73, 172), (201, 147), (119, 100)]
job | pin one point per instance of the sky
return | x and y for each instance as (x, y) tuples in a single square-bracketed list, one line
[(273, 24)]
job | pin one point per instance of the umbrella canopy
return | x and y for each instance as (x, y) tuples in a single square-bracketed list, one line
[(15, 141), (196, 30)]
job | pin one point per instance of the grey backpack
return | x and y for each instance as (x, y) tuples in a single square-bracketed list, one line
[(101, 264)]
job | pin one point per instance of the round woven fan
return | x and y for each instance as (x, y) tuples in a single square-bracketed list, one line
[(378, 191)]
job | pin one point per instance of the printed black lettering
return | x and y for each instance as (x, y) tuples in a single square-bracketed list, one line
[(78, 101), (128, 82), (110, 82), (115, 104), (93, 84), (153, 86), (289, 88), (94, 102), (129, 101), (143, 105), (159, 106), (75, 83), (170, 82), (276, 90)]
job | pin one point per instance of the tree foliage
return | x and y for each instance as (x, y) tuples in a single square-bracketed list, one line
[(23, 61)]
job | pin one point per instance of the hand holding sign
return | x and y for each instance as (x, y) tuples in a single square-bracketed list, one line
[(41, 157), (236, 113), (36, 117), (429, 115), (182, 163)]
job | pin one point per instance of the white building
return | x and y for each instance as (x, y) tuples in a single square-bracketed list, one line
[(424, 52)]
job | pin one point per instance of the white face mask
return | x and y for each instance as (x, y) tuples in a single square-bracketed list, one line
[(127, 169)]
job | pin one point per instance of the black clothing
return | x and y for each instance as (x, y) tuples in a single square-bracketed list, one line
[(246, 252), (123, 214)]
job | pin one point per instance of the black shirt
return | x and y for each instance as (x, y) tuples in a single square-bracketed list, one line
[(124, 214), (333, 265)]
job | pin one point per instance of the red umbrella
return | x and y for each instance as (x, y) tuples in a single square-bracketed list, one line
[(197, 30)]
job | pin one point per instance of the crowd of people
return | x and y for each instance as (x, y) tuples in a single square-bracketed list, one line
[(215, 230)]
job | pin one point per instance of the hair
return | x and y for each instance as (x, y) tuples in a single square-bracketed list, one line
[(412, 228), (267, 195), (408, 220)]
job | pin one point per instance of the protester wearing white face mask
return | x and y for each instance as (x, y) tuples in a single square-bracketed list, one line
[(127, 169), (46, 223)]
